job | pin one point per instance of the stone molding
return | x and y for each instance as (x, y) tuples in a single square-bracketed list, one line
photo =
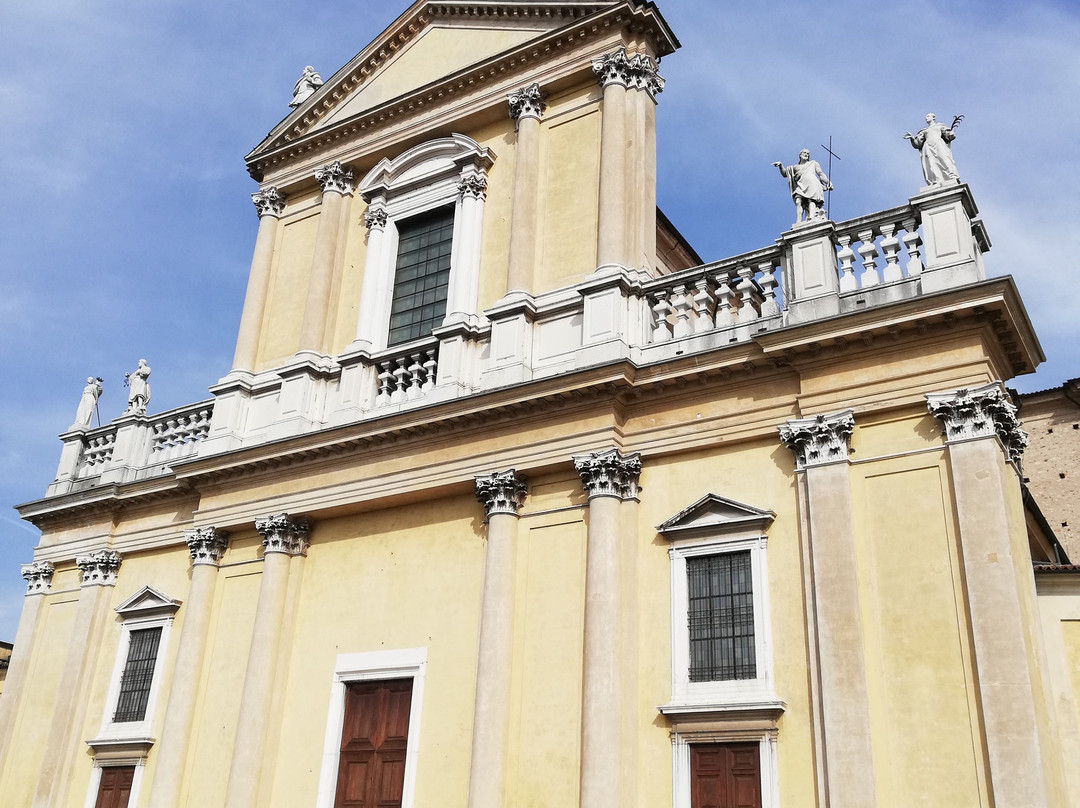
[(99, 568), (475, 185), (979, 412), (375, 218), (637, 72), (819, 440), (38, 577), (609, 473), (501, 492), (269, 202), (528, 102), (206, 545), (335, 177), (284, 534)]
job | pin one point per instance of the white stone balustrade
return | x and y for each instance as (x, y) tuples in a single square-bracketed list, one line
[(407, 374), (886, 246), (179, 434)]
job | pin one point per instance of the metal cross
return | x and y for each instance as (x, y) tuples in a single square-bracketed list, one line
[(828, 204)]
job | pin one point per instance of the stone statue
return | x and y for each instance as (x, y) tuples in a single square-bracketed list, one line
[(138, 389), (808, 184), (309, 82), (88, 402), (933, 142)]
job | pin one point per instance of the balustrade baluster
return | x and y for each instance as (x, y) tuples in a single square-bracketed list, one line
[(385, 379), (704, 304), (890, 247), (912, 240), (415, 369), (661, 309), (747, 311), (725, 316), (430, 367), (769, 307), (681, 303), (400, 372), (869, 252), (846, 257)]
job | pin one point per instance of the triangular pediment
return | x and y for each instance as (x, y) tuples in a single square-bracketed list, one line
[(716, 514), (147, 601)]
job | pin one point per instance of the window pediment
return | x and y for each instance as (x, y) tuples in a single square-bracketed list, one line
[(716, 515), (425, 164), (147, 602)]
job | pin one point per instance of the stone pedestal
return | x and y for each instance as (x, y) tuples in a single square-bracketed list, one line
[(459, 355), (130, 451), (811, 283), (510, 354), (302, 398), (610, 316), (953, 242)]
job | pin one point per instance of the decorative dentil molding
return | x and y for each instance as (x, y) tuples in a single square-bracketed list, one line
[(38, 577), (269, 202), (609, 473), (637, 72), (99, 568), (206, 545), (375, 218), (501, 492), (528, 102), (474, 185), (335, 177), (979, 412), (819, 440), (284, 534)]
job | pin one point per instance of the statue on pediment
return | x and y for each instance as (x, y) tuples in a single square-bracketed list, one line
[(933, 141), (138, 389), (808, 184), (88, 402), (306, 86)]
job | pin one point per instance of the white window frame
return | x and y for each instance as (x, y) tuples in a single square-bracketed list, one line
[(680, 752), (95, 778), (403, 663)]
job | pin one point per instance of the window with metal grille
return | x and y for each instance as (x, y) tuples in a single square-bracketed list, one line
[(422, 275), (138, 675), (721, 617)]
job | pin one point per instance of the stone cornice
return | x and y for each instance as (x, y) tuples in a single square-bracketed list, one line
[(609, 473), (206, 545), (98, 568), (501, 492), (38, 577), (979, 412), (819, 440), (282, 533)]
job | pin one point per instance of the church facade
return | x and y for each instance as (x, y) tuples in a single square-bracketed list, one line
[(510, 500)]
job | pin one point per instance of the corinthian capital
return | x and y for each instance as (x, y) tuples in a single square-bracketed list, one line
[(269, 202), (609, 473), (38, 577), (375, 218), (206, 545), (637, 72), (528, 102), (819, 440), (474, 185), (979, 412), (335, 177), (501, 492), (98, 568), (284, 534)]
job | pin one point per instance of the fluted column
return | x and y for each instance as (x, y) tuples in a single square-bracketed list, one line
[(206, 545), (283, 537), (608, 478), (821, 448), (336, 183), (98, 571), (270, 204), (38, 580), (376, 290), (527, 108), (501, 494), (983, 437)]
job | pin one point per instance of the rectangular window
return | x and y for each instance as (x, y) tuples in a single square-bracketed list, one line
[(721, 617), (422, 275), (725, 775), (114, 790), (138, 675), (374, 738)]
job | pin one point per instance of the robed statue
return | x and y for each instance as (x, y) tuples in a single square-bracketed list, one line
[(933, 141), (138, 389), (306, 86), (88, 402), (808, 184)]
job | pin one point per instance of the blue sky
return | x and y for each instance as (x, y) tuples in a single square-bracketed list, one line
[(126, 228)]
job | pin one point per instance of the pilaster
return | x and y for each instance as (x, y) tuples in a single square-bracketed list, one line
[(821, 446)]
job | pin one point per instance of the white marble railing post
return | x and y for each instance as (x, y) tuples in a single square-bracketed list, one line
[(98, 572), (501, 494), (983, 437), (283, 537), (206, 545), (336, 182), (609, 478), (270, 205), (821, 448)]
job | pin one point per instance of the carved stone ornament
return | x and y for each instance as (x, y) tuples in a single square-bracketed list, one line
[(501, 492), (609, 473), (284, 534), (375, 218), (335, 177), (99, 568), (637, 72), (528, 102), (38, 577), (819, 440), (269, 202), (474, 185), (979, 412), (206, 545)]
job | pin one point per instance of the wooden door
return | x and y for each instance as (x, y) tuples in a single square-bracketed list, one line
[(371, 769), (725, 775), (115, 788)]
